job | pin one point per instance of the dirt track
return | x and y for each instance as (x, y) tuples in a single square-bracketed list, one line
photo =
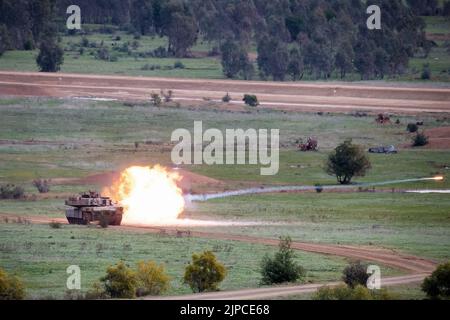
[(280, 95), (418, 267)]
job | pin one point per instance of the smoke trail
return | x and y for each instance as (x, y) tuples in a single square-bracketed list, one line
[(206, 197)]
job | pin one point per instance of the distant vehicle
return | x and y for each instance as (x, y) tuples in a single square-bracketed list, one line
[(90, 206), (383, 149)]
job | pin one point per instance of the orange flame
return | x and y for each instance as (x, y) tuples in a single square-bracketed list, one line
[(148, 195), (439, 178)]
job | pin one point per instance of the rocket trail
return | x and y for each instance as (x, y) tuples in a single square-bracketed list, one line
[(206, 197)]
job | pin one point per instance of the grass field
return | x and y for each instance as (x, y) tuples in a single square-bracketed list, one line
[(40, 256), (201, 65), (53, 138)]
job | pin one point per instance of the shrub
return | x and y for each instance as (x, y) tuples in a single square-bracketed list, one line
[(55, 225), (282, 267), (178, 65), (103, 54), (97, 292), (11, 287), (251, 100), (355, 274), (420, 140), (120, 281), (437, 286), (319, 188), (412, 127), (152, 279), (226, 98), (426, 72), (204, 273), (343, 292), (155, 99), (43, 185), (10, 191), (167, 95), (346, 161), (84, 42)]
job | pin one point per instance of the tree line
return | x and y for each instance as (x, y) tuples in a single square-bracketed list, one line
[(293, 38)]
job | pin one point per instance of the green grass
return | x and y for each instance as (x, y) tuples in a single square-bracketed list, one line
[(53, 138), (411, 223), (40, 256)]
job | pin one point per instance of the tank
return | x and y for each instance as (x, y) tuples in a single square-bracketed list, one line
[(90, 207)]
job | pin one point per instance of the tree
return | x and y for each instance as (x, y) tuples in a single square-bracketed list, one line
[(273, 58), (282, 267), (11, 288), (120, 281), (344, 59), (182, 32), (355, 274), (4, 39), (204, 273), (152, 279), (296, 65), (235, 60), (50, 57), (437, 286), (142, 16), (346, 161)]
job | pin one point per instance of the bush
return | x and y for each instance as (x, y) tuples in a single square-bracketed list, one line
[(55, 225), (426, 72), (120, 281), (11, 288), (346, 161), (155, 99), (251, 100), (226, 98), (97, 292), (152, 279), (167, 95), (10, 191), (343, 292), (412, 127), (282, 267), (204, 273), (420, 140), (355, 274), (437, 286), (103, 54), (319, 188), (43, 185), (178, 65)]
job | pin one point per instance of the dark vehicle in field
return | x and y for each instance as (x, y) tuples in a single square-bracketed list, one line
[(382, 149), (90, 207)]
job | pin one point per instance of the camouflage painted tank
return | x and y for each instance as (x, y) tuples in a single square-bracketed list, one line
[(90, 206)]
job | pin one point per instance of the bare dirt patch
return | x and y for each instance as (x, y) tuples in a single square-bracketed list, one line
[(438, 138)]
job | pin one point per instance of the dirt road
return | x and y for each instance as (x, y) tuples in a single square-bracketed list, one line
[(416, 266), (333, 97), (281, 291)]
